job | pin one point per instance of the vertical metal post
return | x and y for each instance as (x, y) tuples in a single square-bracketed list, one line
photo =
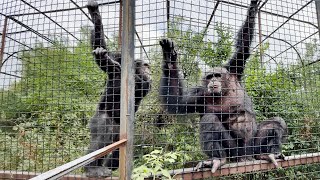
[(120, 27), (3, 40), (168, 14), (141, 52), (318, 14), (127, 88), (260, 37)]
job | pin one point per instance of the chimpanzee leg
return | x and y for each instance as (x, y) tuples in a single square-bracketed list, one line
[(112, 161), (269, 138), (101, 128), (216, 142)]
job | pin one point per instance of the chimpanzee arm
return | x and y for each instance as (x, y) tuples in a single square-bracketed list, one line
[(244, 38), (142, 81), (171, 86), (112, 67), (97, 34), (105, 60), (142, 87)]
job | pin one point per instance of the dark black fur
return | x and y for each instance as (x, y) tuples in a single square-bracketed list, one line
[(228, 121), (104, 125), (270, 136)]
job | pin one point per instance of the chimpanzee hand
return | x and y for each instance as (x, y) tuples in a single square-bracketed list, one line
[(92, 5), (169, 53), (102, 55)]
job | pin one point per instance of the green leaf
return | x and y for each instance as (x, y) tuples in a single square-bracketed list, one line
[(166, 173)]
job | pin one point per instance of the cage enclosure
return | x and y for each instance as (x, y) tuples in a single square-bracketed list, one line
[(194, 89)]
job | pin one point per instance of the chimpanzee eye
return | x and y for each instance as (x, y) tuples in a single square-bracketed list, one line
[(209, 76), (217, 75)]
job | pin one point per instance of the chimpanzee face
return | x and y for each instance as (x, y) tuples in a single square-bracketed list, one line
[(143, 70), (216, 81)]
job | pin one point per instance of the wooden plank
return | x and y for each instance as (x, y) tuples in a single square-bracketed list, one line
[(23, 175), (247, 167), (127, 100), (189, 173), (69, 167)]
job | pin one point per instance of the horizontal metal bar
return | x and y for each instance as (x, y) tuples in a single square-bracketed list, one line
[(60, 171), (13, 75), (32, 30), (61, 10), (270, 13), (36, 9)]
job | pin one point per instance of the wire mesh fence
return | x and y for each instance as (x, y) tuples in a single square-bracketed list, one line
[(60, 87)]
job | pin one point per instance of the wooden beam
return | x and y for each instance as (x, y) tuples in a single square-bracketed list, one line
[(127, 103), (27, 175), (247, 167), (62, 170), (190, 173)]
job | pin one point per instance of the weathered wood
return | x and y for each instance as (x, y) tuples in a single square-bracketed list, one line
[(21, 175), (69, 167), (190, 173), (127, 94), (247, 167)]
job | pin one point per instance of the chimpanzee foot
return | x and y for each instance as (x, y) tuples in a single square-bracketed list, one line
[(214, 164), (98, 171), (272, 158)]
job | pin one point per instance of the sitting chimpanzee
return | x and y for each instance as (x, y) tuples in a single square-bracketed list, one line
[(228, 126)]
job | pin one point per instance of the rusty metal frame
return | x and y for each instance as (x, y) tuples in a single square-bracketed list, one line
[(317, 2), (3, 40)]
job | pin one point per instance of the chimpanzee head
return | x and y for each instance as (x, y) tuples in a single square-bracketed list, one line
[(143, 70), (216, 81)]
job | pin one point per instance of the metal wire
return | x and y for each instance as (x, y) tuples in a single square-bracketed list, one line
[(51, 88)]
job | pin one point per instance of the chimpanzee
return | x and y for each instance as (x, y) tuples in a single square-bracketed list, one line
[(104, 125), (228, 122)]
